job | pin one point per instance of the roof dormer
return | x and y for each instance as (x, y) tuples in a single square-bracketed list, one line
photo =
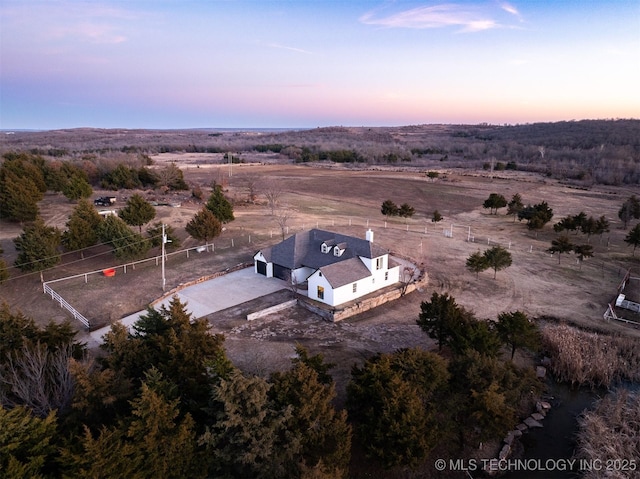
[(326, 246), (339, 249)]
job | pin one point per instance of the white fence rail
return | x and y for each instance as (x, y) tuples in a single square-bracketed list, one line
[(63, 304)]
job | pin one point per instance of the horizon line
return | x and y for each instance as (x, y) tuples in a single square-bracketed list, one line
[(294, 128)]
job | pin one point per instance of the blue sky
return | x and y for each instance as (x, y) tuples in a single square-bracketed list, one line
[(235, 64)]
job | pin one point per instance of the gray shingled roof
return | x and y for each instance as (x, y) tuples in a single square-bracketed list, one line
[(345, 272), (303, 249)]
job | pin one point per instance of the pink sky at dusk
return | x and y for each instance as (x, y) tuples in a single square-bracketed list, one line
[(168, 64)]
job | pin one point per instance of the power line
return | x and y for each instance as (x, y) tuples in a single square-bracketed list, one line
[(24, 275)]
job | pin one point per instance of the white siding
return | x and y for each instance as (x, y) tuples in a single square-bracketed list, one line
[(260, 257), (371, 263), (344, 293), (316, 280)]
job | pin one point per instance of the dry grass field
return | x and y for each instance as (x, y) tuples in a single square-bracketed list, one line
[(348, 200)]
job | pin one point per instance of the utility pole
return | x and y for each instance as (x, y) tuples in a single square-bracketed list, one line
[(164, 240)]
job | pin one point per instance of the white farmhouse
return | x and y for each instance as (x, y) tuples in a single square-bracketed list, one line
[(337, 268)]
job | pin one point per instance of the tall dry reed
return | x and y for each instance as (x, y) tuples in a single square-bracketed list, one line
[(589, 358), (609, 437)]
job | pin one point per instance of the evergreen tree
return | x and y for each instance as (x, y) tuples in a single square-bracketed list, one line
[(406, 210), (602, 225), (440, 317), (19, 196), (204, 225), (629, 210), (37, 246), (477, 263), (516, 330), (249, 437), (82, 227), (323, 432), (4, 271), (515, 206), (153, 441), (561, 245), (182, 349), (219, 205), (589, 227), (498, 259), (436, 217), (633, 238), (393, 401), (126, 244), (161, 443), (76, 188), (494, 202), (537, 215), (121, 177), (137, 212), (26, 165), (583, 251), (27, 443), (389, 208), (484, 394), (315, 362), (567, 223)]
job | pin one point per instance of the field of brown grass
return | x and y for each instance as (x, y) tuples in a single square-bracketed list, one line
[(348, 200)]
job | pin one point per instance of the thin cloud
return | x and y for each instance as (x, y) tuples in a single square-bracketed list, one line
[(88, 22), (467, 18), (95, 33), (507, 7), (292, 49)]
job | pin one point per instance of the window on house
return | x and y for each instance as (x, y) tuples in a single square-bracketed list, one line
[(320, 292), (355, 287), (378, 263), (386, 276)]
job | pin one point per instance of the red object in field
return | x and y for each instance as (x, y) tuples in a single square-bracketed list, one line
[(109, 272)]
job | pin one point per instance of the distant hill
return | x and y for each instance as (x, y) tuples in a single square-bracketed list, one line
[(585, 151)]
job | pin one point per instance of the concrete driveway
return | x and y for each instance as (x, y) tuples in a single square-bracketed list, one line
[(213, 295)]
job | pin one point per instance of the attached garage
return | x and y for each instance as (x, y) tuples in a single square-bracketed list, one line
[(280, 272), (261, 268)]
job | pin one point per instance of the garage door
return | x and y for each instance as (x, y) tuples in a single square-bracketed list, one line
[(262, 267), (280, 272)]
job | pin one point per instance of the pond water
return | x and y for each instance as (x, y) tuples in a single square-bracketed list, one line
[(548, 450)]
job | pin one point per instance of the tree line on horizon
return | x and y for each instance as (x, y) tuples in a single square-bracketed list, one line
[(583, 152)]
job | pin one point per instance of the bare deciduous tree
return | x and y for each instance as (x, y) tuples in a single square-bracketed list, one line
[(252, 183), (541, 150), (282, 216), (273, 193), (406, 277), (38, 379)]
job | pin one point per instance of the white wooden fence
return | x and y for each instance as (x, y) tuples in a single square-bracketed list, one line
[(63, 304)]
